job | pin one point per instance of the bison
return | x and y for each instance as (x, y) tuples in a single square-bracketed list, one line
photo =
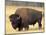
[(24, 17), (29, 17)]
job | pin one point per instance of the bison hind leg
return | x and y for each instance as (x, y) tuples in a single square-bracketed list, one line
[(39, 23)]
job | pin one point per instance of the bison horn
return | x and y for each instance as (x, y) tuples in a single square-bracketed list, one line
[(18, 17)]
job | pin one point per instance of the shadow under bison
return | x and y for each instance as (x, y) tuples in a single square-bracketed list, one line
[(24, 17)]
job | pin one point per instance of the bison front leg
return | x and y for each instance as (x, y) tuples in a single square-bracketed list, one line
[(27, 27), (20, 29)]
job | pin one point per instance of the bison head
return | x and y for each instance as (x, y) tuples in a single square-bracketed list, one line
[(15, 20)]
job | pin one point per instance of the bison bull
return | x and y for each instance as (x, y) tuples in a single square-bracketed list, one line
[(27, 17)]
